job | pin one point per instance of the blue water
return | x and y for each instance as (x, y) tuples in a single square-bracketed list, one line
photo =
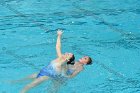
[(106, 30)]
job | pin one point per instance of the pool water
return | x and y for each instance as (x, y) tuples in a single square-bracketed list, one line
[(106, 30)]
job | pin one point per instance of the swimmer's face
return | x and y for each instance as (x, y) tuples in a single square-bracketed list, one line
[(68, 55), (84, 60)]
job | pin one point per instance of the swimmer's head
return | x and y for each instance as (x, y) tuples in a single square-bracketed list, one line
[(86, 60), (70, 58)]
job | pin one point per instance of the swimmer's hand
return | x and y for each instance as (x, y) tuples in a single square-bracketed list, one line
[(59, 32)]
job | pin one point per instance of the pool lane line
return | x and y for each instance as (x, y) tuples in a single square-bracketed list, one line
[(79, 51), (8, 52), (109, 69), (129, 34), (122, 32), (46, 30), (43, 28), (33, 45), (24, 16)]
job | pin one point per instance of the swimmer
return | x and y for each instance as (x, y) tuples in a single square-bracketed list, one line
[(71, 71), (77, 67), (54, 69)]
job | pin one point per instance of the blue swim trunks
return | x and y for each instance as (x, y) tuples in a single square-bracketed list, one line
[(69, 71), (48, 71), (52, 73)]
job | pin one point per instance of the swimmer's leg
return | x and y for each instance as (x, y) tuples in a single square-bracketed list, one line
[(55, 87), (30, 77), (36, 82)]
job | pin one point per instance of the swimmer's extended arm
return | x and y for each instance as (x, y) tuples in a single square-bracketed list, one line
[(58, 43)]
